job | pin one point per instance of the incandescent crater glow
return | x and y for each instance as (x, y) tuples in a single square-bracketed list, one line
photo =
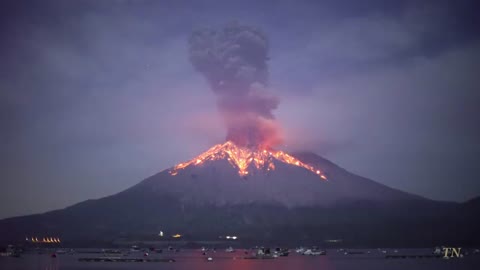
[(242, 157)]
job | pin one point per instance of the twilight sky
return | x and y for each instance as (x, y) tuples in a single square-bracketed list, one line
[(98, 95)]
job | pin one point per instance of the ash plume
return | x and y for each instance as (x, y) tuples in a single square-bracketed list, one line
[(234, 62)]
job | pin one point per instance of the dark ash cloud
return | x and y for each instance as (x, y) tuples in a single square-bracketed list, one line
[(234, 62)]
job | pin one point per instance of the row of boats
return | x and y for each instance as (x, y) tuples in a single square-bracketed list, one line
[(272, 252), (256, 252), (253, 253), (314, 251)]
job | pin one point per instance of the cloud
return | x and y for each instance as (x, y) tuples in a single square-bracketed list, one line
[(414, 118)]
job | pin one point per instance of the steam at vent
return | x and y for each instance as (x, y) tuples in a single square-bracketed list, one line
[(234, 62)]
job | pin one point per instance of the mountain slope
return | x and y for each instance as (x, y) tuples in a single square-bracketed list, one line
[(218, 183), (288, 205)]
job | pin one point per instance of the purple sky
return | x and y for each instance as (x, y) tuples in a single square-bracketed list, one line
[(98, 95)]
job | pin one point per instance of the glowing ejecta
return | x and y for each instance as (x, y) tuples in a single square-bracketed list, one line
[(242, 157)]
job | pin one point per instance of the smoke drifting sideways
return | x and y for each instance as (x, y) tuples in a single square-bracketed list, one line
[(234, 62)]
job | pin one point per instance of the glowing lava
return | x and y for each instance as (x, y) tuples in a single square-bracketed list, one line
[(242, 157)]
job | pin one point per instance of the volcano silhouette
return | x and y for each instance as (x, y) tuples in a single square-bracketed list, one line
[(288, 205)]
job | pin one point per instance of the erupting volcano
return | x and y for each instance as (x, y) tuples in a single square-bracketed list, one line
[(287, 198), (246, 186), (243, 159), (234, 62)]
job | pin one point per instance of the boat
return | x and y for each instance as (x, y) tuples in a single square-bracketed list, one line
[(314, 252), (437, 251), (300, 250), (262, 253), (11, 251), (281, 252), (135, 249)]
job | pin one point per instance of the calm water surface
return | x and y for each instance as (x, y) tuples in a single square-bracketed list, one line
[(195, 260)]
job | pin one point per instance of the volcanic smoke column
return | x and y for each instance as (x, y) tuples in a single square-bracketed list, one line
[(234, 62)]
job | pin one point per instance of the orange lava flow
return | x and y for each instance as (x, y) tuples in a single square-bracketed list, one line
[(241, 158)]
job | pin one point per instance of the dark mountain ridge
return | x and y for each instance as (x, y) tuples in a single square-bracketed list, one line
[(288, 205)]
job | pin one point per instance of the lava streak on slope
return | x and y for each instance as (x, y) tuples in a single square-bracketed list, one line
[(242, 157)]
